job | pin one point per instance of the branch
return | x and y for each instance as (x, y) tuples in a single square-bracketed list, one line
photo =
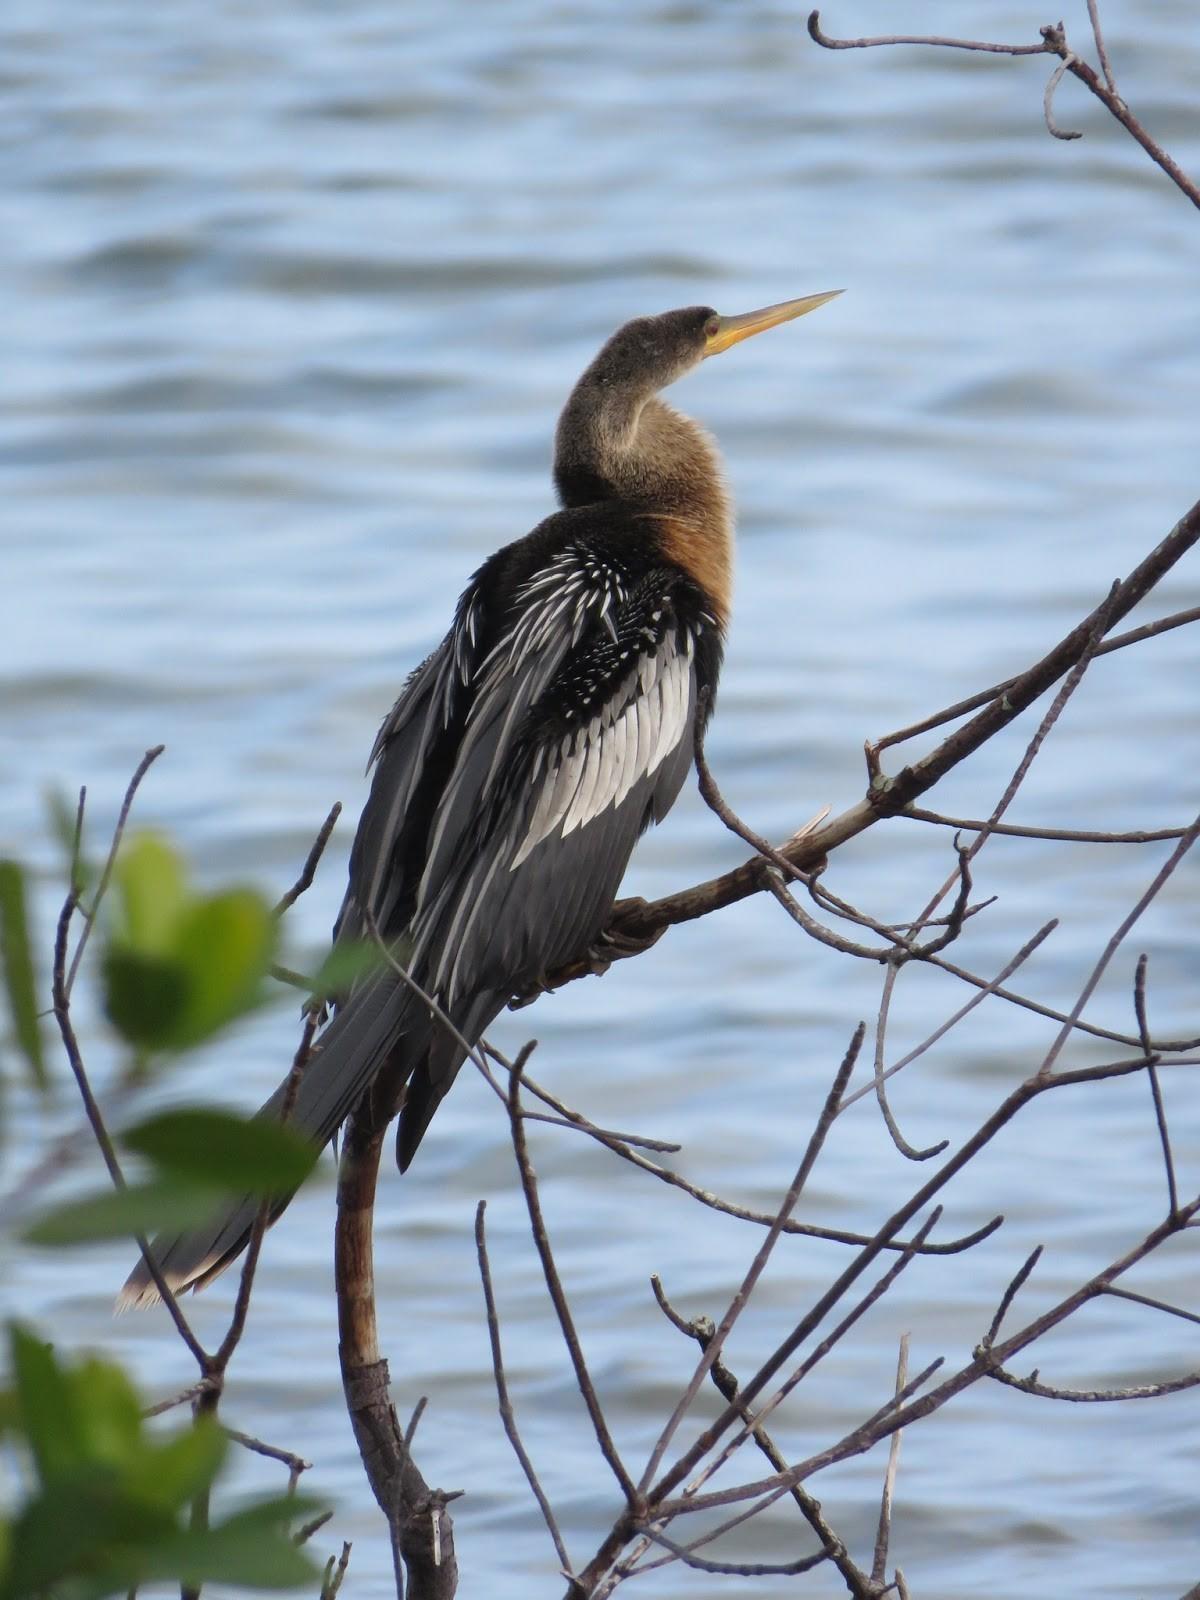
[(637, 922), (421, 1530), (507, 1416), (1054, 42)]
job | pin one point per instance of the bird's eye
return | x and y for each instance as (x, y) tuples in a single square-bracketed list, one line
[(712, 327)]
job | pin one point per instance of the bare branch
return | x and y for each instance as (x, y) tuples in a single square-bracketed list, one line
[(1019, 1278), (898, 1139), (1126, 923), (88, 916), (308, 871), (554, 1284), (1142, 1391), (636, 922), (823, 39), (1101, 51), (1054, 42), (294, 1463), (1056, 78), (884, 1534), (507, 1415), (1066, 835), (992, 987), (1160, 1114), (737, 1304)]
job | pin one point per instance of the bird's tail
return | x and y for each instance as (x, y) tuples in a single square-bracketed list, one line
[(384, 1020)]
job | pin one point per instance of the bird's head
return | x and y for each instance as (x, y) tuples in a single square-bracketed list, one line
[(655, 351)]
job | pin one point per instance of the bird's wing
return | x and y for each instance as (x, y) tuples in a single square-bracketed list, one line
[(411, 755), (580, 734)]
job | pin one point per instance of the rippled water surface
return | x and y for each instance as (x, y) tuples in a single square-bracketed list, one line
[(291, 298)]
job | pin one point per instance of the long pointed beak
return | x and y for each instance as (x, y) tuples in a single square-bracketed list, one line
[(730, 330)]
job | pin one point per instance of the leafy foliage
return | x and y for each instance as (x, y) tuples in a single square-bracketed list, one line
[(106, 1509), (178, 966), (17, 962)]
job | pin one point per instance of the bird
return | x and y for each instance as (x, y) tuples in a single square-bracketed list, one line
[(528, 752)]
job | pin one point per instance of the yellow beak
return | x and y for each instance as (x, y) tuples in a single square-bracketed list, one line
[(730, 330)]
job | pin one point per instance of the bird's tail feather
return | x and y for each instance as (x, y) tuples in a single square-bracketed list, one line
[(347, 1057)]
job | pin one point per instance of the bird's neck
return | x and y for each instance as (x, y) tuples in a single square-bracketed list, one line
[(638, 451)]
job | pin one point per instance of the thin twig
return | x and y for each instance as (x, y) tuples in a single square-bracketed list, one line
[(308, 871), (1160, 1114), (507, 1415), (893, 1127), (1114, 943), (1056, 78), (294, 1463), (884, 1533), (1101, 50), (88, 916), (566, 1322), (1149, 1300), (992, 987), (1121, 641), (1064, 835), (762, 1255), (1019, 1278), (1141, 1391)]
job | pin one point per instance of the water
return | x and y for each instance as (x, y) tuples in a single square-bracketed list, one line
[(291, 300)]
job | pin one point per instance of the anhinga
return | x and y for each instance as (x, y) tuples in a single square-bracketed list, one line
[(553, 723)]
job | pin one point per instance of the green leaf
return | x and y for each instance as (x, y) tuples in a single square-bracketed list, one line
[(47, 1405), (109, 1412), (246, 1155), (225, 945), (162, 1203), (18, 969), (144, 996), (174, 1472), (252, 1549), (180, 966), (151, 882)]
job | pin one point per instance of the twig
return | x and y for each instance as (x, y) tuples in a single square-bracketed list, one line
[(1141, 1391), (992, 987), (87, 916), (893, 1128), (983, 1361), (1019, 1278), (702, 1329), (1054, 42), (304, 1533), (824, 39), (1101, 621), (507, 1415), (1149, 1300), (241, 1304), (332, 1580), (1065, 835), (762, 1255), (1101, 50), (1160, 1114), (184, 1397), (308, 871), (294, 1463), (883, 1536), (1056, 78), (636, 922), (558, 1297), (1126, 923), (736, 1569), (1122, 641)]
